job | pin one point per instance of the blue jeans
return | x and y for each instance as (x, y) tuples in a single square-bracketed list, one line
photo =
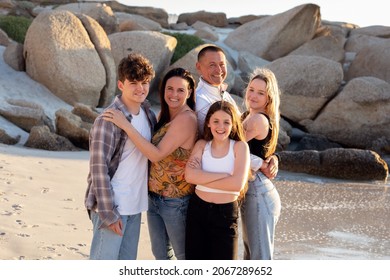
[(167, 225), (107, 245), (260, 212)]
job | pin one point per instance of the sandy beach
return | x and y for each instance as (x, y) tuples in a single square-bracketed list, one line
[(42, 214)]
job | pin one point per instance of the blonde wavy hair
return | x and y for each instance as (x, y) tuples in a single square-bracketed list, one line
[(272, 106)]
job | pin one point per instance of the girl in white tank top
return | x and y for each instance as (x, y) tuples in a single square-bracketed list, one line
[(219, 166), (223, 164)]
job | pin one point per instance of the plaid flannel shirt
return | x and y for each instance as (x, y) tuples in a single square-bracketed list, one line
[(106, 143)]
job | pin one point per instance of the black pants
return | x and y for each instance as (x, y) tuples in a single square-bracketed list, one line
[(211, 230)]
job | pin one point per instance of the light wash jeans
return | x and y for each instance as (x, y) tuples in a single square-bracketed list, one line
[(260, 212), (107, 245), (167, 225)]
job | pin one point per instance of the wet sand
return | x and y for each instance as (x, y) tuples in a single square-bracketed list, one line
[(332, 219)]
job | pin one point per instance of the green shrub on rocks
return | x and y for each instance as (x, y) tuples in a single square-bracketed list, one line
[(185, 43), (15, 27)]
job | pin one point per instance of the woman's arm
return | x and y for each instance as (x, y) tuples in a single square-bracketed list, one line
[(239, 178), (182, 128), (194, 173), (256, 126)]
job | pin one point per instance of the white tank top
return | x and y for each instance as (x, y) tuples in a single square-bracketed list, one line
[(223, 165)]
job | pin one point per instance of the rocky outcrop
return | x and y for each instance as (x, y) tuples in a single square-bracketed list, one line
[(358, 115), (247, 62), (307, 80), (24, 114), (157, 47), (273, 37), (315, 142), (100, 12), (207, 33), (330, 45), (103, 48), (7, 139), (155, 14), (73, 128), (4, 40), (76, 72), (86, 113), (129, 22), (349, 164), (13, 56), (214, 19), (372, 61), (42, 138)]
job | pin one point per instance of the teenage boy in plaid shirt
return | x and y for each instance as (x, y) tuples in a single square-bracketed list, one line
[(117, 181)]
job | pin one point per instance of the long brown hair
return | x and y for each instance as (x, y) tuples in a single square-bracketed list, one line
[(164, 116), (237, 132)]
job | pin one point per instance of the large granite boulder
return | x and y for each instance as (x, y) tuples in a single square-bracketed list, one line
[(214, 19), (100, 12), (329, 45), (307, 84), (348, 164), (155, 46), (77, 52), (275, 36), (4, 39), (73, 128), (129, 22), (13, 56), (358, 115), (23, 113), (155, 14), (42, 138), (372, 61)]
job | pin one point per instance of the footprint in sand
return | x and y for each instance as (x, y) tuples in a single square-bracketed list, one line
[(23, 235), (45, 190), (21, 223), (17, 208), (48, 248), (21, 194), (7, 213), (73, 226), (73, 249)]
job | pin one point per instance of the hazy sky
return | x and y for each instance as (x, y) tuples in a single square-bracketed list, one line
[(362, 13)]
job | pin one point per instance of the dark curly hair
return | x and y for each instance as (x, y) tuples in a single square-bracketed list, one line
[(135, 67)]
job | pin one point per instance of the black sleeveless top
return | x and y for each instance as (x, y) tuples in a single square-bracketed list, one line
[(257, 147)]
